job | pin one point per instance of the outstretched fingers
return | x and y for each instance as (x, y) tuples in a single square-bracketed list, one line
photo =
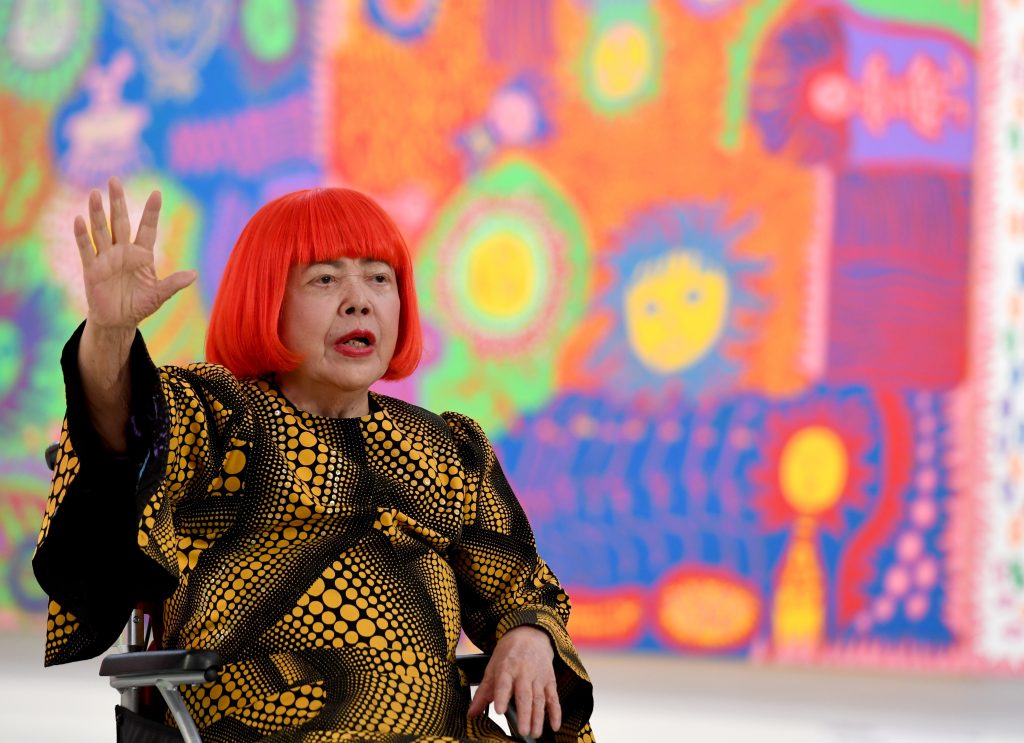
[(98, 222), (120, 222), (85, 249), (146, 236)]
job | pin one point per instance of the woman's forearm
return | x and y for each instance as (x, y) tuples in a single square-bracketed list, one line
[(103, 365)]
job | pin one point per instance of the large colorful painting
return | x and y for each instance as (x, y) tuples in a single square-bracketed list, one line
[(736, 286)]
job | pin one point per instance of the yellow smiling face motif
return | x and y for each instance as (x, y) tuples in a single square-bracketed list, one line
[(675, 310)]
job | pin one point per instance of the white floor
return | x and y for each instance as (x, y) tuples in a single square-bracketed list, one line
[(638, 698)]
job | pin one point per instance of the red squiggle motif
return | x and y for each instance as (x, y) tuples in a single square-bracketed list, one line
[(855, 565)]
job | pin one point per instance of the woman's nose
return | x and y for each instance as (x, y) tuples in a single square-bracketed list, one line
[(355, 300)]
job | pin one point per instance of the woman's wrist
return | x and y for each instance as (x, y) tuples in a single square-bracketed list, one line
[(531, 633), (113, 335)]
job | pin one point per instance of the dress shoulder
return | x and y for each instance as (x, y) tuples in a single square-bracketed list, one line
[(224, 396), (410, 412), (215, 376)]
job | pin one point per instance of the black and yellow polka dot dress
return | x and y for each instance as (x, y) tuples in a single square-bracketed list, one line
[(330, 561)]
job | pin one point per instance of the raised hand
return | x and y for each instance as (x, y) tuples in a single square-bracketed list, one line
[(121, 284), (521, 669), (122, 289)]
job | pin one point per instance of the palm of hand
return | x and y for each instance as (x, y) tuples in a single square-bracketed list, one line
[(121, 284)]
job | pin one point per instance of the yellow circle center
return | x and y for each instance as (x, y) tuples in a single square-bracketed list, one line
[(622, 61), (813, 470), (502, 275)]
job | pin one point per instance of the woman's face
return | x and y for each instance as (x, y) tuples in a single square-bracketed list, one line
[(342, 318)]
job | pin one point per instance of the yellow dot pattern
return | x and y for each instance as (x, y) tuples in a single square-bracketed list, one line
[(61, 626), (63, 475), (333, 564)]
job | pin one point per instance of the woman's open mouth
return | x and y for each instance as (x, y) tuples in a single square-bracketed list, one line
[(356, 344)]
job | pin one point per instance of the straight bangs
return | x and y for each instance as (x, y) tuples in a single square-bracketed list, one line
[(310, 226), (340, 223)]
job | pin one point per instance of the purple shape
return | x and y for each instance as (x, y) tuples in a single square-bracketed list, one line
[(898, 287), (918, 87), (231, 210), (710, 8)]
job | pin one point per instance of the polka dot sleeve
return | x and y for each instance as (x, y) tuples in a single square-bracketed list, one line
[(106, 541), (503, 582), (195, 448)]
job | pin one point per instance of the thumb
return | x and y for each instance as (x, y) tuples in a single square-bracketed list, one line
[(174, 283)]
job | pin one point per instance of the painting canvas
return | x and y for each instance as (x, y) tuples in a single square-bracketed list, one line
[(736, 286)]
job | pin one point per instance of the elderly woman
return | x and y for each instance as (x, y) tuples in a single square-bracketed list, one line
[(327, 540)]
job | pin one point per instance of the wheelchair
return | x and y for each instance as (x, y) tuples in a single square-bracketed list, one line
[(139, 669)]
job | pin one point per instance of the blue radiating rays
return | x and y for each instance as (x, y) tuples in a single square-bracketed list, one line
[(404, 24), (671, 262)]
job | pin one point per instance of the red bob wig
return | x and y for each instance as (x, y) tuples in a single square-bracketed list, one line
[(310, 226)]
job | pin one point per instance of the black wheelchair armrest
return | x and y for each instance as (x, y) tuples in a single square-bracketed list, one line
[(473, 666), (188, 666)]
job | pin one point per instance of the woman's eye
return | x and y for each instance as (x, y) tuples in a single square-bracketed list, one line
[(325, 279), (381, 278)]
